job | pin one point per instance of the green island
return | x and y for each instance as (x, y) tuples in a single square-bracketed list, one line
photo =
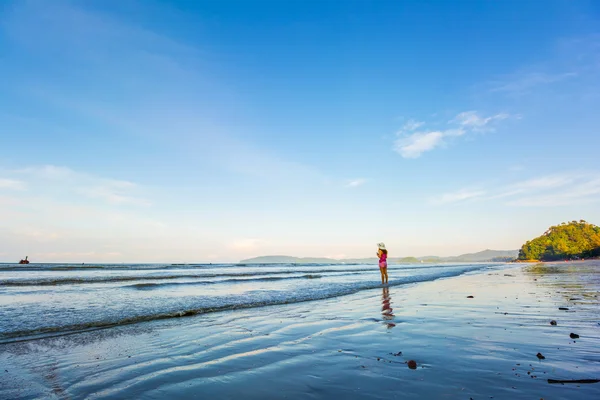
[(568, 241)]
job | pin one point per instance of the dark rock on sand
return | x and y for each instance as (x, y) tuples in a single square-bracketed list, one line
[(574, 336), (412, 364), (553, 322), (563, 308), (540, 356), (470, 297)]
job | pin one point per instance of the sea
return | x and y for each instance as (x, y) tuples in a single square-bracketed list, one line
[(45, 300)]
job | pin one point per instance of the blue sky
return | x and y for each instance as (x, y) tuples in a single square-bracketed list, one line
[(204, 131)]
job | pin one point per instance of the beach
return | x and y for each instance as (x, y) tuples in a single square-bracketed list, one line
[(349, 344)]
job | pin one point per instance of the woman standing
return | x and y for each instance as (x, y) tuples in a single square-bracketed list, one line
[(382, 254)]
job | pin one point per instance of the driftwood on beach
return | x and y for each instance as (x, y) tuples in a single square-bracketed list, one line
[(574, 381)]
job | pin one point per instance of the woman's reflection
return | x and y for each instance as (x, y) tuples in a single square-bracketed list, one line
[(386, 308)]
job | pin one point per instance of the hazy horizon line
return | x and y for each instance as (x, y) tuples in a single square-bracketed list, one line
[(241, 261)]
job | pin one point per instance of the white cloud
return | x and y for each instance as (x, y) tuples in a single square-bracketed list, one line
[(472, 120), (454, 132), (412, 143), (11, 184), (546, 191), (356, 182)]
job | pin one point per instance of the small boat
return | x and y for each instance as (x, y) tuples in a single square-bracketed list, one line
[(25, 261)]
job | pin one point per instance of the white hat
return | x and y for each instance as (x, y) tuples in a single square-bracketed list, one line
[(381, 246)]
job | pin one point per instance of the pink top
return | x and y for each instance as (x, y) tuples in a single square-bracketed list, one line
[(383, 257)]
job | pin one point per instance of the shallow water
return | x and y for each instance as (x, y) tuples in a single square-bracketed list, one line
[(53, 299), (343, 347)]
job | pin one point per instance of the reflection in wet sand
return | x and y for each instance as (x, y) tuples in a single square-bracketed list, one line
[(578, 282), (386, 308)]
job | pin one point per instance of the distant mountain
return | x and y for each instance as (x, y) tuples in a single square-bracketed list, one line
[(485, 255), (482, 256)]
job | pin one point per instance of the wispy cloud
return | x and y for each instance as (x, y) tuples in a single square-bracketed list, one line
[(576, 192), (522, 83), (356, 183), (472, 120), (413, 145), (412, 142), (458, 196), (111, 191), (11, 184), (412, 125), (547, 191), (573, 59), (163, 83)]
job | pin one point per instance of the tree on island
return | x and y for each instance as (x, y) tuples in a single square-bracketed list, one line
[(565, 241)]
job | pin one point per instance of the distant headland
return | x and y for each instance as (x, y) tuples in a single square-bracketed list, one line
[(568, 241), (482, 256)]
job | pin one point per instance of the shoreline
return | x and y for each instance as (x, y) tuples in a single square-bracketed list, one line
[(464, 347), (583, 261)]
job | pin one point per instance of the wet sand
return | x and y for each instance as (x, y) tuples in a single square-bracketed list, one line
[(347, 347)]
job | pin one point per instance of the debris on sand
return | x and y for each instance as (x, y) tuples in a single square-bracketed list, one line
[(574, 336), (412, 364), (540, 356), (470, 297), (553, 322), (563, 308), (574, 381)]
